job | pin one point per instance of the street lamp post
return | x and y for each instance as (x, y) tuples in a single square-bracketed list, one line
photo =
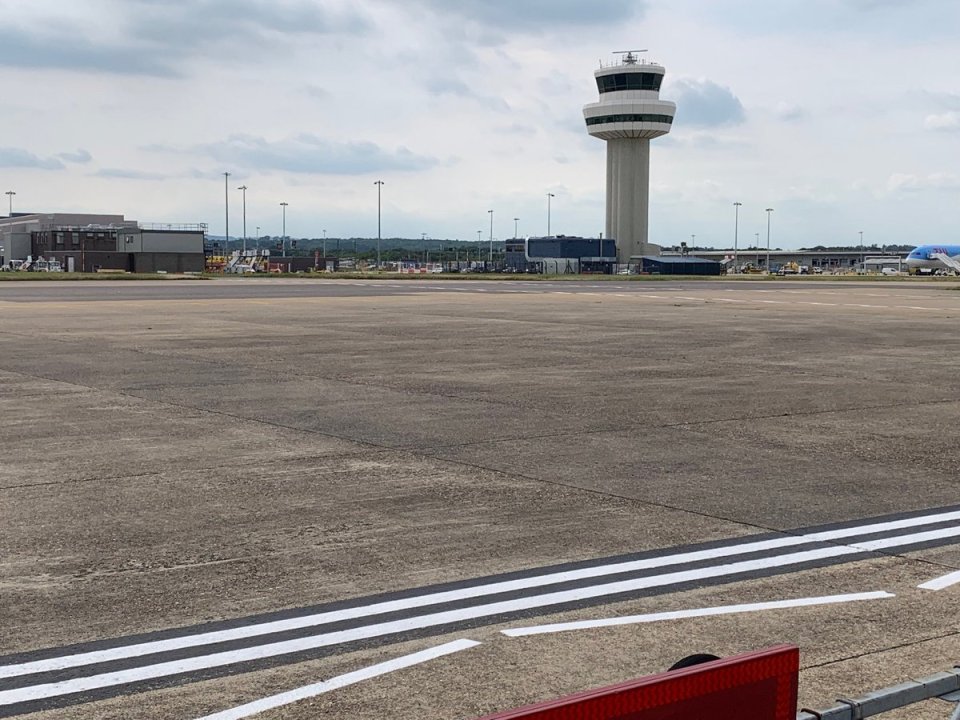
[(491, 237), (226, 213), (258, 237), (10, 194), (736, 235), (550, 197), (516, 226), (283, 234), (861, 250), (379, 184), (324, 248), (769, 210), (757, 235), (243, 189)]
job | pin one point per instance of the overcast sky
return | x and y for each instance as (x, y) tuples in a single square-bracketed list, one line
[(843, 115)]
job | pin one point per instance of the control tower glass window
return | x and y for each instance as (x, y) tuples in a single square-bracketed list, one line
[(630, 117), (629, 81)]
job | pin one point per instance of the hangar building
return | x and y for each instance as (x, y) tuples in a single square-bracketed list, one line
[(88, 243)]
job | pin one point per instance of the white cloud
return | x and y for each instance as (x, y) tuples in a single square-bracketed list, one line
[(949, 121), (308, 153), (465, 106), (158, 39), (537, 16), (905, 182), (126, 174), (704, 103), (80, 157), (18, 158), (788, 112)]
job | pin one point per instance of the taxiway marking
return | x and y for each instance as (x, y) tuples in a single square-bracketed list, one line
[(942, 582), (695, 613), (51, 678), (341, 681)]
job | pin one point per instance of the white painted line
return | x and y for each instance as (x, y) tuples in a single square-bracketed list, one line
[(916, 538), (700, 612), (259, 652), (535, 581), (941, 582), (365, 632), (341, 681)]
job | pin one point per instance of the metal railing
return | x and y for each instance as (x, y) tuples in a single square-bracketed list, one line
[(179, 227), (944, 685)]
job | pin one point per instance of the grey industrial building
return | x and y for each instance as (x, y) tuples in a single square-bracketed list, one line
[(90, 243)]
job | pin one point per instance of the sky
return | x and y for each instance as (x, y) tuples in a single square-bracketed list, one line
[(841, 115)]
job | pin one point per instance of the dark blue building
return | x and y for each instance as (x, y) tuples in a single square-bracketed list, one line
[(677, 265), (590, 253)]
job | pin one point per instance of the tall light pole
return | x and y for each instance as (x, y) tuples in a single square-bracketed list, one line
[(10, 194), (736, 235), (226, 213), (769, 210), (324, 248), (258, 237), (516, 226), (283, 234), (861, 250), (491, 236), (757, 246), (550, 196), (379, 184), (423, 244), (243, 189)]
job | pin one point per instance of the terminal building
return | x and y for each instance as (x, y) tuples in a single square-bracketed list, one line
[(91, 243), (561, 254), (827, 261)]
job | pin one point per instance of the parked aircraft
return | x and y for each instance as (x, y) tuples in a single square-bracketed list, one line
[(934, 257)]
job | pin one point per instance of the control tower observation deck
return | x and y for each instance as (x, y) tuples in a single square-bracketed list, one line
[(630, 114)]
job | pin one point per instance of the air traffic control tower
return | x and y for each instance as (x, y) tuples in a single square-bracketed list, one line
[(629, 115)]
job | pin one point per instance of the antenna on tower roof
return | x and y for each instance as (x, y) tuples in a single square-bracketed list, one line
[(629, 57)]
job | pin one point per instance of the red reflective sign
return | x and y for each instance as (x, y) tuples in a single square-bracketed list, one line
[(760, 685)]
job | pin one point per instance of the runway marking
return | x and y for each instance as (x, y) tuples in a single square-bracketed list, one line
[(941, 582), (52, 678), (696, 613), (342, 681), (496, 588)]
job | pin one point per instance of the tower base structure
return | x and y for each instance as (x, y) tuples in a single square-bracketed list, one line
[(628, 202)]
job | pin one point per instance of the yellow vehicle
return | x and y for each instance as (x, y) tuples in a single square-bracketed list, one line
[(790, 268)]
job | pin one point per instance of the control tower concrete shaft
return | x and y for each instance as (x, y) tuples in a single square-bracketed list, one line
[(630, 114)]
